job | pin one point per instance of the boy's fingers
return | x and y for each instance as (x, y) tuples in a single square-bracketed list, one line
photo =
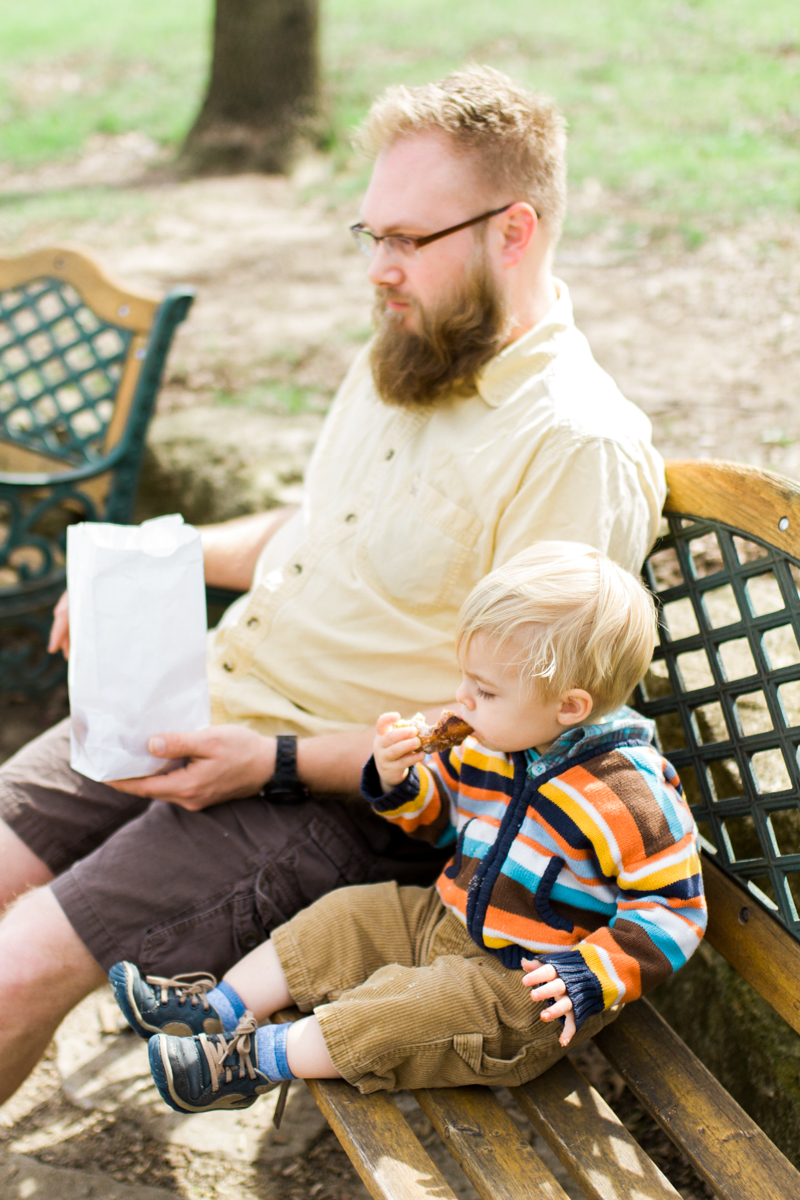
[(559, 1009), (568, 1032), (399, 750), (541, 974), (386, 721), (548, 990)]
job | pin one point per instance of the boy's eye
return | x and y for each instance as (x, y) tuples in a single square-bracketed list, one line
[(484, 695)]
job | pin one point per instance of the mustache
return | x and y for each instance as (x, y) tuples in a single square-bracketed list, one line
[(384, 294)]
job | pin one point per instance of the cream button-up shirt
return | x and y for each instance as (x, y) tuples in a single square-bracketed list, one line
[(354, 600)]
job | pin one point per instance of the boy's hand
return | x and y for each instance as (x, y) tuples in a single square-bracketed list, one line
[(544, 978), (394, 750)]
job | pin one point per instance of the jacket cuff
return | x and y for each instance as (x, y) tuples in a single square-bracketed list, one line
[(583, 986), (374, 794)]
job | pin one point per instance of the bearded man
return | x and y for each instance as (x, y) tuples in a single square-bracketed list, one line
[(475, 423)]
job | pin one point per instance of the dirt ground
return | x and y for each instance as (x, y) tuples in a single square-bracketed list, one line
[(705, 339)]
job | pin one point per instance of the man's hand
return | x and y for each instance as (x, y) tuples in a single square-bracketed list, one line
[(59, 632), (544, 978), (224, 762), (394, 750)]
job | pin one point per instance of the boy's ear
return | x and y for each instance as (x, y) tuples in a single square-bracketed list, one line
[(576, 707)]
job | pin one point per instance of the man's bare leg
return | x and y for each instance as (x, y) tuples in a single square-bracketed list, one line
[(20, 868), (45, 970)]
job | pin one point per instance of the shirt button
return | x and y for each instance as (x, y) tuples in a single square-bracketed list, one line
[(227, 667), (389, 454), (297, 568), (253, 623), (350, 518), (250, 941)]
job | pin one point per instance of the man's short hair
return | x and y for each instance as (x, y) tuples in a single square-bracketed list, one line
[(517, 138), (571, 618)]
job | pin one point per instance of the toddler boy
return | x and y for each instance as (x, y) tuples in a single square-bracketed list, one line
[(575, 881)]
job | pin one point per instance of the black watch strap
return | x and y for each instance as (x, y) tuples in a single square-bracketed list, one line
[(285, 787)]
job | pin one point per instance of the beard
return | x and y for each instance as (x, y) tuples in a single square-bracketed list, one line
[(453, 341)]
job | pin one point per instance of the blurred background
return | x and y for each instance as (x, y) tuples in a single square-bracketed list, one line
[(681, 251)]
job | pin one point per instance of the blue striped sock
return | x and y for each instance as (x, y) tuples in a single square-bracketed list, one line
[(271, 1051), (228, 1004)]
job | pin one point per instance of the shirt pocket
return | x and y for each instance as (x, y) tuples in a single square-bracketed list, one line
[(417, 545)]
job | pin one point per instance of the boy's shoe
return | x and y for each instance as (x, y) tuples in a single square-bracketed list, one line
[(177, 1006), (200, 1073)]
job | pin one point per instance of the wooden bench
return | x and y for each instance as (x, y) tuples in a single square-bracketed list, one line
[(725, 572)]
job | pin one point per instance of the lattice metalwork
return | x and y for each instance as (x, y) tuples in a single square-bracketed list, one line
[(60, 368), (724, 689)]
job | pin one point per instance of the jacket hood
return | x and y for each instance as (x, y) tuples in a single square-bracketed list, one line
[(616, 729)]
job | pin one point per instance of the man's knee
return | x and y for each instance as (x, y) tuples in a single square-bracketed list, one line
[(20, 868), (41, 954)]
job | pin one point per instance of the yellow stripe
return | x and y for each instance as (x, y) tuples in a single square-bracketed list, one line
[(595, 964), (585, 823), (487, 762)]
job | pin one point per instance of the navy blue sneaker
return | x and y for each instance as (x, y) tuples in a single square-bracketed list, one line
[(177, 1006), (202, 1073)]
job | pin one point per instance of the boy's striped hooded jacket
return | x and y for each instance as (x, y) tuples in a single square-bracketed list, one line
[(585, 856)]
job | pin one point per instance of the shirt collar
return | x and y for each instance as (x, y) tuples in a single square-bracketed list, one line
[(511, 368), (624, 725)]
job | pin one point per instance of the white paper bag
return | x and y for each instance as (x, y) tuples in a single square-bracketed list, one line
[(137, 627)]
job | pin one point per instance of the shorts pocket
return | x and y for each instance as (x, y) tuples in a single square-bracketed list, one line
[(322, 859), (470, 1047)]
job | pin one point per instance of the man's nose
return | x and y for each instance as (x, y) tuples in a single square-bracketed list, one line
[(383, 270)]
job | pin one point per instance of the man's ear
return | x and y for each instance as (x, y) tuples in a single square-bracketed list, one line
[(519, 228), (575, 708)]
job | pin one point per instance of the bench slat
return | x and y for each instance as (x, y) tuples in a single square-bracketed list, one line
[(487, 1145), (759, 948), (589, 1139), (723, 1144), (380, 1143)]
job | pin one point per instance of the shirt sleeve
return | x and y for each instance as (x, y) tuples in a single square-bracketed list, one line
[(661, 910), (588, 489), (424, 804)]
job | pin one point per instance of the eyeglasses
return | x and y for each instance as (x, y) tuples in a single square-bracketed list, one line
[(402, 248)]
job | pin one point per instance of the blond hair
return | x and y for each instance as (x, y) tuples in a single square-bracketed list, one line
[(575, 620), (516, 138)]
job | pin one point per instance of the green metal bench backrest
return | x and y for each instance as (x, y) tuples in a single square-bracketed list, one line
[(81, 359), (724, 690), (60, 367)]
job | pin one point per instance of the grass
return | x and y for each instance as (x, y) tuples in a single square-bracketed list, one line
[(690, 106)]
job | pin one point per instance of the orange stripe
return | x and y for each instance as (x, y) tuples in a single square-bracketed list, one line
[(484, 795), (626, 967), (494, 822), (569, 853), (518, 928), (611, 808)]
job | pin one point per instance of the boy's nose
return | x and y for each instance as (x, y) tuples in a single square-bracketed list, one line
[(463, 697)]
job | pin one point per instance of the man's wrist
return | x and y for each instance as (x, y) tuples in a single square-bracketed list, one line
[(284, 785)]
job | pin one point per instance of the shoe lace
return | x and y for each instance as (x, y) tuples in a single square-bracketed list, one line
[(218, 1048), (191, 986)]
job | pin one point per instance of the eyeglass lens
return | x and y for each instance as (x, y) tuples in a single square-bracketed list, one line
[(397, 248)]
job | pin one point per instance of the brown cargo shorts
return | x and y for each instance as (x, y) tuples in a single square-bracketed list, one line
[(175, 891), (406, 999)]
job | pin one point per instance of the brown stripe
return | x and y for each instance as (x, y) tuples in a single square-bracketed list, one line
[(614, 771), (513, 897), (654, 965)]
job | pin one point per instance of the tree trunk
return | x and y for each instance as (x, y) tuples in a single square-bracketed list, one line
[(262, 93)]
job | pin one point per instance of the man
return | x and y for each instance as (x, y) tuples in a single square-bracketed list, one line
[(475, 423)]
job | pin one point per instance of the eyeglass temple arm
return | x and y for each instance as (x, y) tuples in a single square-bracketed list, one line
[(432, 237)]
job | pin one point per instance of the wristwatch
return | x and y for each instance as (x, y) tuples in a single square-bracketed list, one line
[(285, 787)]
